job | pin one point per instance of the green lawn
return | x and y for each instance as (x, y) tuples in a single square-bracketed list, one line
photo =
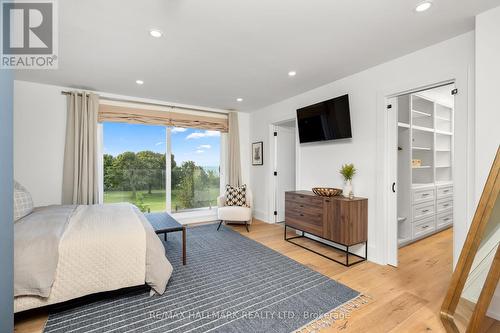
[(156, 201)]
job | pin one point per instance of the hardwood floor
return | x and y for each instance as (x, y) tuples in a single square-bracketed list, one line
[(405, 299)]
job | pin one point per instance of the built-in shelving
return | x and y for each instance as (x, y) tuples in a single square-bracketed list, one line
[(421, 148), (421, 114), (425, 134)]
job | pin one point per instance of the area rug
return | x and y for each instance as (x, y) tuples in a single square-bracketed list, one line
[(230, 284)]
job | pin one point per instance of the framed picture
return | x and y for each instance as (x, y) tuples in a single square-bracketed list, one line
[(257, 153)]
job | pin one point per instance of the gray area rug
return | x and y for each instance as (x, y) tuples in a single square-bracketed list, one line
[(230, 284)]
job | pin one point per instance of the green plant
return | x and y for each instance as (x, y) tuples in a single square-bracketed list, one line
[(139, 202), (348, 171)]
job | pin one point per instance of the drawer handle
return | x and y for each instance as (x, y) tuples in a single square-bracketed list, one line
[(425, 227), (446, 205), (301, 196), (425, 211), (446, 219), (301, 214), (425, 194), (327, 200), (301, 205), (446, 191)]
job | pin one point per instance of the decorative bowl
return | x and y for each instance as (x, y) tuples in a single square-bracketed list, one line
[(326, 191)]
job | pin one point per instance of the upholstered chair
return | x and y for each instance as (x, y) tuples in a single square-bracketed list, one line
[(235, 214)]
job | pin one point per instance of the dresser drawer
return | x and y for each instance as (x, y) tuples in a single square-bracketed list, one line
[(311, 226), (423, 195), (423, 210), (444, 219), (444, 204), (444, 191), (303, 201), (423, 228), (315, 217)]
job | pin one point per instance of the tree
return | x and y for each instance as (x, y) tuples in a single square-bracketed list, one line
[(108, 172), (186, 195), (153, 167), (129, 175)]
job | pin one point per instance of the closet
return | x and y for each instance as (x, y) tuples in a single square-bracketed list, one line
[(425, 161)]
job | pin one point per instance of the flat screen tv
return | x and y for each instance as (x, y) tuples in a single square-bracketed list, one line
[(328, 120)]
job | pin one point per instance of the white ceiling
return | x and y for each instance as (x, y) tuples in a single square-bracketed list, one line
[(214, 51)]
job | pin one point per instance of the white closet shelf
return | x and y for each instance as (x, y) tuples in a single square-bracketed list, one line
[(405, 125), (421, 114), (442, 132), (421, 148), (443, 166), (443, 150), (443, 118), (421, 167), (424, 129)]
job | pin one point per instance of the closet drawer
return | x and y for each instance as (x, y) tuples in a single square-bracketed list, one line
[(423, 228), (423, 210), (444, 205), (423, 195), (444, 219), (444, 191)]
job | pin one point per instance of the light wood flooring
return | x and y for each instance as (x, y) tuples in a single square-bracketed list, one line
[(405, 299)]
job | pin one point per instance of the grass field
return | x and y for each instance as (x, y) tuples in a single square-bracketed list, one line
[(156, 201)]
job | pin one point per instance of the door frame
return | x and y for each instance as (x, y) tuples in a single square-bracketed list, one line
[(387, 232), (274, 156)]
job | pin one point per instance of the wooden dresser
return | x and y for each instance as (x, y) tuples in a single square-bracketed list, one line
[(340, 220)]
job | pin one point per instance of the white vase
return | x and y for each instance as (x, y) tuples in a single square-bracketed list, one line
[(347, 188)]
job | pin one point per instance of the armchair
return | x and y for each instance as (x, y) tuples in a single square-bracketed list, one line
[(235, 214)]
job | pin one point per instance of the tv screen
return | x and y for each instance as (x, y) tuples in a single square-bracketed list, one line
[(328, 120)]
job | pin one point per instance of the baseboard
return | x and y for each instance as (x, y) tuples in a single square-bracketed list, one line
[(261, 216)]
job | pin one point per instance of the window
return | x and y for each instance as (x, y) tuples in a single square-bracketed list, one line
[(159, 168)]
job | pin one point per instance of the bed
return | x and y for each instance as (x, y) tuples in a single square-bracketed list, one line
[(65, 252)]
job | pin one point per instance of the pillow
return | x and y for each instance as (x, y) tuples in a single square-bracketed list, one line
[(236, 195), (23, 203)]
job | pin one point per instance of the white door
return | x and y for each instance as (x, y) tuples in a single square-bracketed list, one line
[(392, 133), (284, 166)]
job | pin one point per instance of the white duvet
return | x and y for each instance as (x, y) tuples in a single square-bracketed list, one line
[(103, 248)]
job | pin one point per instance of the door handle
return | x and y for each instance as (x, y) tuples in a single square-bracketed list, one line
[(394, 187)]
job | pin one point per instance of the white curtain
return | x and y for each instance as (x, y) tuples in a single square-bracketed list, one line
[(80, 174), (234, 167)]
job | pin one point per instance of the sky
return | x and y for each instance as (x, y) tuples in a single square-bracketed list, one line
[(200, 146)]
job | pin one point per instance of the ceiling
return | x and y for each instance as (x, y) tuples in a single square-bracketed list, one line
[(213, 52)]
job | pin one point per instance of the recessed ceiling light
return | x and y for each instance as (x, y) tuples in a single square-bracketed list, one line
[(239, 99), (155, 33), (139, 82), (423, 6), (292, 73)]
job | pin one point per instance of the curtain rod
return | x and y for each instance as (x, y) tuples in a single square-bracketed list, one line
[(148, 103)]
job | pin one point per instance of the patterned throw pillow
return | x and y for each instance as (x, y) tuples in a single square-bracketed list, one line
[(23, 203), (236, 195)]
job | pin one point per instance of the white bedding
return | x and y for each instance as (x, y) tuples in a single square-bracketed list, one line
[(103, 248)]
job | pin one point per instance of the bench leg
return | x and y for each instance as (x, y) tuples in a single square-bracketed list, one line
[(184, 245), (220, 223), (165, 236), (246, 226)]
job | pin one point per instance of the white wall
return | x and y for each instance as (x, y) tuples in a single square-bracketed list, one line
[(487, 106), (39, 139), (39, 136), (318, 163), (487, 102)]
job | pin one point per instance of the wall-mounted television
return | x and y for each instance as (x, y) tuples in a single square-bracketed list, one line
[(328, 120)]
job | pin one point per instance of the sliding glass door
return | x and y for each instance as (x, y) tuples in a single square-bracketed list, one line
[(195, 179), (159, 168)]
